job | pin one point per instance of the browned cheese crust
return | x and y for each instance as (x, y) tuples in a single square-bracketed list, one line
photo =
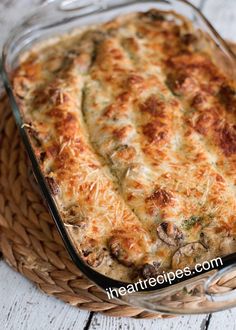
[(134, 128)]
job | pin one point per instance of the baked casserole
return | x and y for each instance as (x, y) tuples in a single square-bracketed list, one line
[(134, 127)]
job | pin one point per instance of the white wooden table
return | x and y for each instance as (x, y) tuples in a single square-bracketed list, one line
[(23, 306)]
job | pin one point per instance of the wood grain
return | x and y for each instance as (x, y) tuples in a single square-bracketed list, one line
[(179, 323), (23, 306)]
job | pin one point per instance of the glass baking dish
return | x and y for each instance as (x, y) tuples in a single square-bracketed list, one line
[(208, 291)]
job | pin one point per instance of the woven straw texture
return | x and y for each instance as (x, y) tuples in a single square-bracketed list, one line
[(29, 240)]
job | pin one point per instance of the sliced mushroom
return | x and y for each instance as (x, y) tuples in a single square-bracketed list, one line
[(188, 39), (54, 187), (227, 96), (73, 215), (22, 86), (97, 36), (95, 258), (189, 255), (179, 82), (154, 15), (42, 156), (170, 233), (119, 251), (128, 248), (92, 253), (150, 270)]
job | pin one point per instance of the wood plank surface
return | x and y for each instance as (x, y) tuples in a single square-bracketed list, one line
[(24, 307)]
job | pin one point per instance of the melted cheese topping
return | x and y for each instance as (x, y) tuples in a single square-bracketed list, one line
[(134, 128)]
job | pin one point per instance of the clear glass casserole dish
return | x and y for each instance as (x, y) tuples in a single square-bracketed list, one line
[(203, 292)]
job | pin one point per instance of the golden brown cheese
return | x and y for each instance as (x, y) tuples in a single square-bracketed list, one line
[(134, 129)]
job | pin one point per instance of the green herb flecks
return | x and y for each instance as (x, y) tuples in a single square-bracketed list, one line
[(190, 222)]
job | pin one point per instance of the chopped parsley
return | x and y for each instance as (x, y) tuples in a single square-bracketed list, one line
[(190, 222)]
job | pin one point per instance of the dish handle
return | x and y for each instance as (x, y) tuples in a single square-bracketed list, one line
[(209, 292)]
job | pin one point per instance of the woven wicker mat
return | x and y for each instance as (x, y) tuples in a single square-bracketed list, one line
[(29, 240)]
